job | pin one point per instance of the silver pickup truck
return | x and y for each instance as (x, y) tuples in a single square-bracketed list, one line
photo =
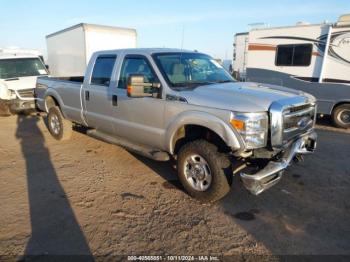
[(182, 105)]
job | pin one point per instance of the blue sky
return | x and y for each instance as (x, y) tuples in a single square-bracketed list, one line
[(209, 26)]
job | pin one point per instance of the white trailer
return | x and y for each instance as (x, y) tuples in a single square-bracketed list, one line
[(70, 49), (295, 57), (240, 55)]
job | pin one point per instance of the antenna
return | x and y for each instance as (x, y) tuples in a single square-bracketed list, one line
[(183, 36), (182, 41)]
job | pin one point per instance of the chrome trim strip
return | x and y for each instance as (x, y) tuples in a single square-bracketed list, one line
[(300, 113)]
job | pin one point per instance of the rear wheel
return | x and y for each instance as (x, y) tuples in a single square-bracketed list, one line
[(60, 128), (205, 173), (341, 116)]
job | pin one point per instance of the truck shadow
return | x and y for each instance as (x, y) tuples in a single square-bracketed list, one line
[(55, 229), (166, 170)]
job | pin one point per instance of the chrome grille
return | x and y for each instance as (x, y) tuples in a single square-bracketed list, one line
[(27, 93), (290, 118), (297, 120)]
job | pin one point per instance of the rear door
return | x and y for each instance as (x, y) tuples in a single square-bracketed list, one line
[(96, 96)]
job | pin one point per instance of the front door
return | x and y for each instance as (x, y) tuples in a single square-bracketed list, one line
[(138, 119)]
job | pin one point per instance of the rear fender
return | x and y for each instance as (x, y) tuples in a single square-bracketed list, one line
[(53, 93)]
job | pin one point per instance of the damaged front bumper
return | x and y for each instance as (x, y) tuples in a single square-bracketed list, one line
[(18, 105), (272, 172)]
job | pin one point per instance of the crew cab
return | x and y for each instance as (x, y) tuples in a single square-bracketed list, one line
[(182, 105)]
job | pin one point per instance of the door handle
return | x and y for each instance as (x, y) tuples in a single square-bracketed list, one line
[(87, 95), (115, 100)]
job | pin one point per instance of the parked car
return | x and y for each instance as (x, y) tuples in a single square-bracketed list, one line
[(168, 103), (19, 69)]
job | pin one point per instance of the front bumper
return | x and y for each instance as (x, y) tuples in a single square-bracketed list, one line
[(18, 105), (272, 172)]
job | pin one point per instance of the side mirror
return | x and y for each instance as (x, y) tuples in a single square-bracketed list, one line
[(138, 88)]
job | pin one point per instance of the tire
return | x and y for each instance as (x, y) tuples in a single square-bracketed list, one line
[(341, 116), (205, 160), (59, 127), (4, 108)]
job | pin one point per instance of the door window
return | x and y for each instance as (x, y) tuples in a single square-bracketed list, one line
[(102, 72), (136, 65)]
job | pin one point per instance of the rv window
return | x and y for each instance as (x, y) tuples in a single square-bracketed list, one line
[(293, 55), (101, 74)]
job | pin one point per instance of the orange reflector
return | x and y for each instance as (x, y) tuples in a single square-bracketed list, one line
[(129, 89), (238, 124)]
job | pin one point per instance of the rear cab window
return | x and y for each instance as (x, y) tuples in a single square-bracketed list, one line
[(102, 71)]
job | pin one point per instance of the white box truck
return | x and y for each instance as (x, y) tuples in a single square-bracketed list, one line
[(70, 49)]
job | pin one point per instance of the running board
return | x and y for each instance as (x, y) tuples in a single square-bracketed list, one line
[(145, 151)]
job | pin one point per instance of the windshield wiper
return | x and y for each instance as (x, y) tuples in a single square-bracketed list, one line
[(12, 79), (193, 84), (224, 81)]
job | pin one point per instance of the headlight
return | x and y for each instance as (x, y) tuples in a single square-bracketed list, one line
[(5, 93), (253, 128)]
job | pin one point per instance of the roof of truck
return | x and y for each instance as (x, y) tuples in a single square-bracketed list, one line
[(148, 51)]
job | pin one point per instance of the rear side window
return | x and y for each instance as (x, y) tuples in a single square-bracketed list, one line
[(102, 72), (293, 55)]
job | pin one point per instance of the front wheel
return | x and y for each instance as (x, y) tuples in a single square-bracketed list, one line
[(60, 128), (341, 116), (205, 173)]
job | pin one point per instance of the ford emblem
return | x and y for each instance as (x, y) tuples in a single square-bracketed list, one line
[(303, 122)]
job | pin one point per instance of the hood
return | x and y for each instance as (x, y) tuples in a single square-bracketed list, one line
[(239, 96), (21, 83)]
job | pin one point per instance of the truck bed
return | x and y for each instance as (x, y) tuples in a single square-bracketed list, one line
[(69, 90)]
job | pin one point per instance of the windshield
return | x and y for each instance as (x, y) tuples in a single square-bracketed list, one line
[(18, 67), (191, 69)]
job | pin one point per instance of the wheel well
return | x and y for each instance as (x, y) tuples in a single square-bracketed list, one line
[(339, 104), (188, 133), (50, 102)]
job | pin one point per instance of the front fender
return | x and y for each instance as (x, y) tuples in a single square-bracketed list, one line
[(218, 126)]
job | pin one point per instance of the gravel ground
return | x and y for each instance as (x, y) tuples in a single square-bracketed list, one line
[(84, 196)]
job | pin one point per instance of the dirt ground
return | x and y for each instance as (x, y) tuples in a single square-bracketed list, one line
[(84, 196)]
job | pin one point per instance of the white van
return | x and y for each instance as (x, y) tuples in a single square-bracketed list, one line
[(19, 70)]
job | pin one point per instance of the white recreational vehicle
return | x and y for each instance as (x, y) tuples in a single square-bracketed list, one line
[(295, 57)]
